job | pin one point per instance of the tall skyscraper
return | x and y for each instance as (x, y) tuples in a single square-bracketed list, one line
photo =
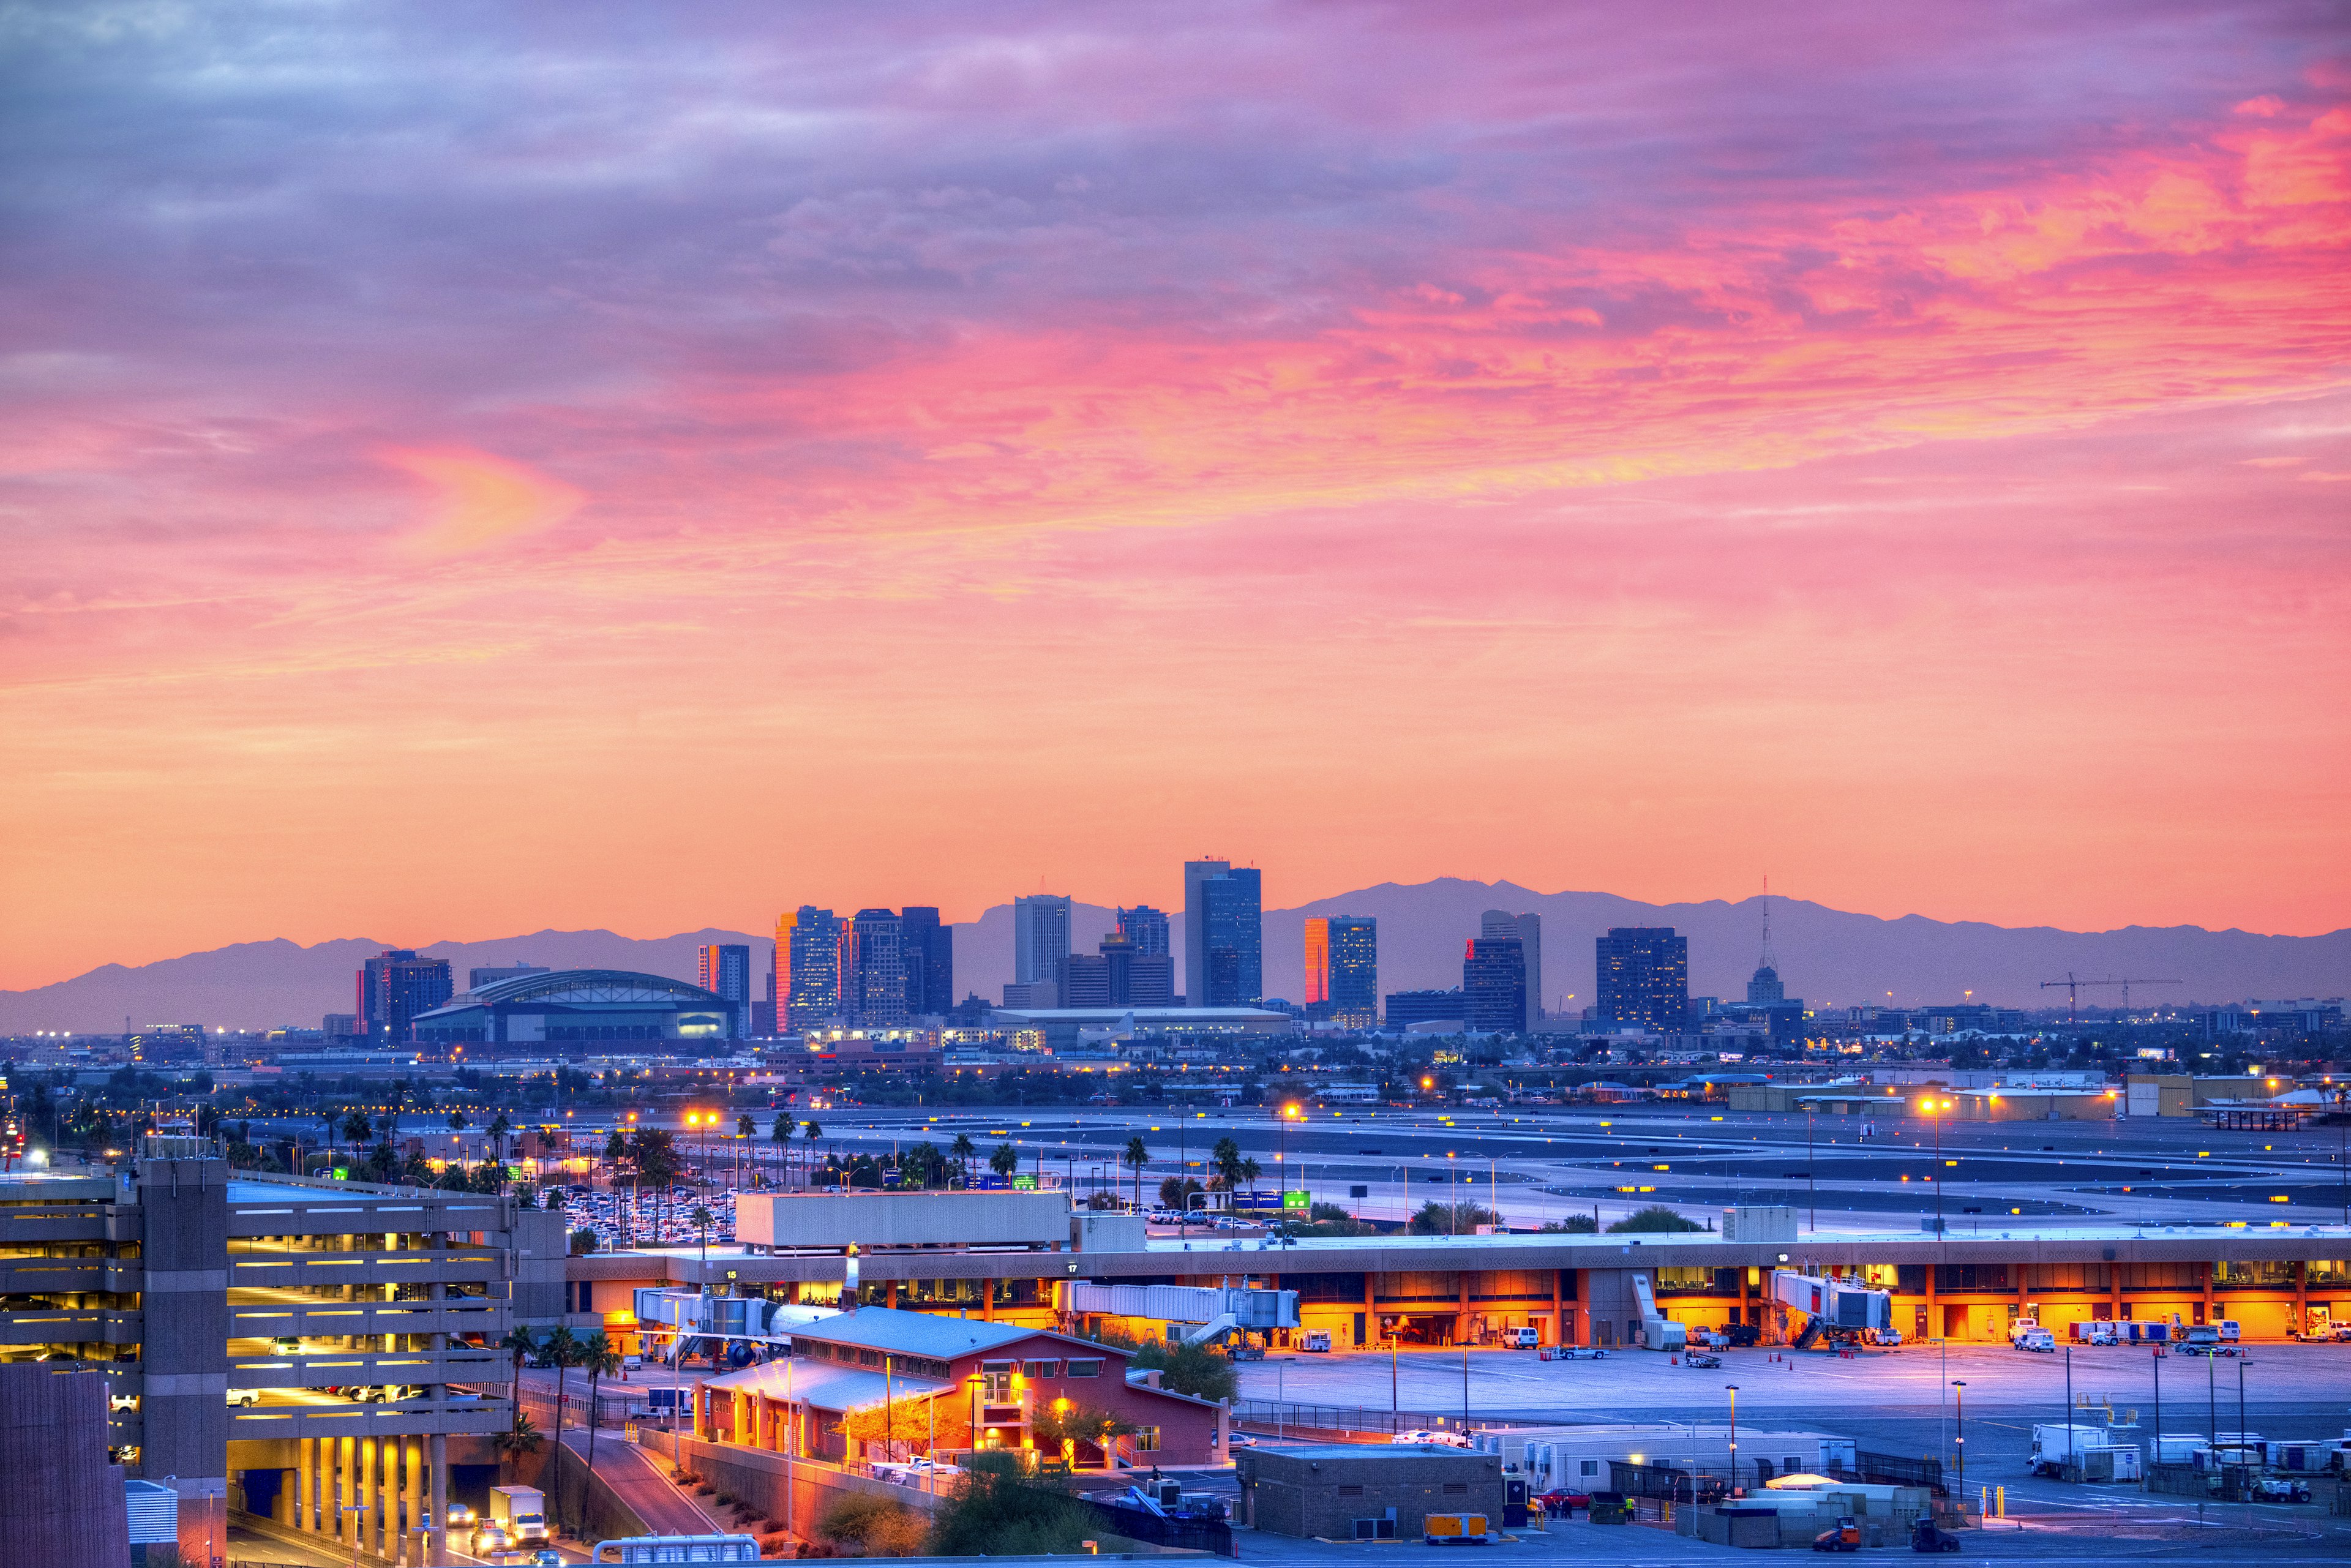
[(1224, 935), (1086, 981), (808, 967), (1494, 983), (1196, 928), (873, 971), (1119, 977), (929, 949), (1528, 930), (1040, 937), (393, 988), (1342, 968), (725, 968), (1643, 973), (1145, 927)]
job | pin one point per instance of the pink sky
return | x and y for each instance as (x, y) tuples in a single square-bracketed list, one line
[(648, 469)]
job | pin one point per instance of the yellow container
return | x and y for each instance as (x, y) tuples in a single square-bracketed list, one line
[(1454, 1529)]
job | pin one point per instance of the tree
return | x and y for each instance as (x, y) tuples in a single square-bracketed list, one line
[(1452, 1220), (1135, 1156), (963, 1148), (516, 1440), (521, 1344), (357, 1128), (1192, 1369), (1004, 1161), (1573, 1224), (457, 1120), (876, 1526), (780, 1135), (585, 1240), (562, 1352), (598, 1360), (1225, 1159), (1066, 1422), (1177, 1192), (1656, 1217), (909, 1419), (702, 1219), (809, 1134), (1250, 1171), (496, 1131), (921, 1165)]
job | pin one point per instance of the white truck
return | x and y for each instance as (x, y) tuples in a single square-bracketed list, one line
[(519, 1512), (2095, 1453)]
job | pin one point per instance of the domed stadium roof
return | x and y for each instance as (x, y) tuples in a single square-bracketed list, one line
[(591, 986)]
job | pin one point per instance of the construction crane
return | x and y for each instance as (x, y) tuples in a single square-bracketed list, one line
[(2074, 985)]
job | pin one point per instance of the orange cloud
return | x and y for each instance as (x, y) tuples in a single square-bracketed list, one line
[(480, 501)]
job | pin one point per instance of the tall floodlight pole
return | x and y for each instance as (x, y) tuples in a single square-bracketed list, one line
[(1731, 1389), (1960, 1422)]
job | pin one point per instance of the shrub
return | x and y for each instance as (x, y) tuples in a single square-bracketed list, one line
[(1192, 1369), (1456, 1219), (874, 1525), (1656, 1217), (1573, 1224), (996, 1510)]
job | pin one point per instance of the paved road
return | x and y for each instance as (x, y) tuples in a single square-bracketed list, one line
[(640, 1483)]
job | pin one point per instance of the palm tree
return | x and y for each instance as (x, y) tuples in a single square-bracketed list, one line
[(780, 1135), (497, 1130), (1250, 1170), (702, 1219), (809, 1134), (598, 1360), (521, 1344), (560, 1352), (1136, 1155), (963, 1149), (355, 1127), (516, 1440), (616, 1150), (1004, 1161)]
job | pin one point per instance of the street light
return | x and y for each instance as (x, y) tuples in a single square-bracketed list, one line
[(1959, 1421), (1731, 1389)]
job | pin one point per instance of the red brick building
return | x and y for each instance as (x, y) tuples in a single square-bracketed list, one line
[(991, 1379)]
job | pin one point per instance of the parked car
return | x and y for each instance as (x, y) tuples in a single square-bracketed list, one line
[(1445, 1438), (1560, 1501), (1929, 1536), (244, 1398), (1700, 1358), (1582, 1352), (1240, 1440)]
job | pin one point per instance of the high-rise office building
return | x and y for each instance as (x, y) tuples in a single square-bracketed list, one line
[(1145, 927), (1224, 935), (1040, 937), (1528, 930), (1494, 985), (1343, 970), (396, 986), (723, 968), (1643, 974), (1118, 977), (873, 970), (1408, 1008), (929, 949), (808, 967)]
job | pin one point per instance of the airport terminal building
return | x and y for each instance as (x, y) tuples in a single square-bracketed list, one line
[(1571, 1289)]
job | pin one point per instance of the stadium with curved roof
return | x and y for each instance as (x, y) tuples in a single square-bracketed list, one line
[(580, 1006)]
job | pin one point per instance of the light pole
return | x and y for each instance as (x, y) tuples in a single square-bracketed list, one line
[(1811, 1189), (1959, 1420), (1731, 1389), (2155, 1356), (354, 1529), (1396, 1410), (1943, 1415)]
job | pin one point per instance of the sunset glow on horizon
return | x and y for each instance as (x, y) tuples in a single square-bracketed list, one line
[(649, 470)]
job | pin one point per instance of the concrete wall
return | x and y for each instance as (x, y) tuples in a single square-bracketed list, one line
[(759, 1479), (183, 1246), (541, 1245), (61, 1503)]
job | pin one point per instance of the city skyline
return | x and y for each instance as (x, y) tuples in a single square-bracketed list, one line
[(1907, 452)]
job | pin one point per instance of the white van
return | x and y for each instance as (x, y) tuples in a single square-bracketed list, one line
[(1526, 1338), (2229, 1332)]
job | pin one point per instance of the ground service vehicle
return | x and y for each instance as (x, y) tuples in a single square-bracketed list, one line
[(1454, 1529), (1318, 1340), (2277, 1488), (2036, 1338), (1582, 1352), (1702, 1359), (519, 1512), (1929, 1536), (1844, 1537), (1527, 1338), (2092, 1449), (2230, 1330)]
